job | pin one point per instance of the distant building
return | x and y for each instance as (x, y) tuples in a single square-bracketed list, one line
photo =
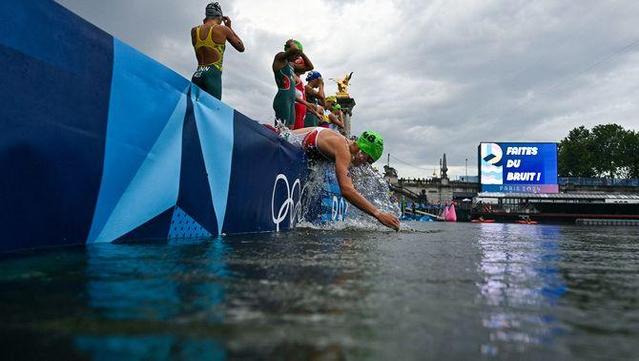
[(390, 174), (469, 179)]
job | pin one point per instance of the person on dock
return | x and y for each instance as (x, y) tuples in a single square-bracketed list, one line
[(314, 94), (283, 68), (331, 117), (337, 119), (300, 100), (209, 41), (302, 106), (325, 143)]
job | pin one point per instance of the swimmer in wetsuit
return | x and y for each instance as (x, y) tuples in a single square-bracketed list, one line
[(283, 67), (315, 95), (328, 144), (302, 106), (209, 41)]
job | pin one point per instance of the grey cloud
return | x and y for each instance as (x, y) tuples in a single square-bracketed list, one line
[(446, 76)]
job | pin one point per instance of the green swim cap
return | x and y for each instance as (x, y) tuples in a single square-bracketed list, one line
[(297, 43), (371, 143)]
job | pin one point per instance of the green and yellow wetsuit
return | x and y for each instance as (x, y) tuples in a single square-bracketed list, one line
[(284, 102), (209, 76)]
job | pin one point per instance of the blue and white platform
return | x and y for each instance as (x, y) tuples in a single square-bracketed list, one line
[(100, 143)]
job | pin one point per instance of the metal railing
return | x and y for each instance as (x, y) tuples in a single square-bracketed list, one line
[(581, 181)]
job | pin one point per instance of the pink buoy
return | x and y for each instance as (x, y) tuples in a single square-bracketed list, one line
[(451, 215), (444, 214)]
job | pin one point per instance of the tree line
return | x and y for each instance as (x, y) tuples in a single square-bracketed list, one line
[(607, 150)]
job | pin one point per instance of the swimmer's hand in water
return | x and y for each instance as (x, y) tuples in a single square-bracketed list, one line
[(388, 219)]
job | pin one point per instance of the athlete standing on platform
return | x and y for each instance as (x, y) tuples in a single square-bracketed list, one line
[(314, 94), (326, 143), (300, 101), (302, 106), (209, 41), (337, 119), (283, 68)]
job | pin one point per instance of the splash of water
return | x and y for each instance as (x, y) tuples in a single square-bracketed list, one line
[(372, 185), (287, 133), (366, 179)]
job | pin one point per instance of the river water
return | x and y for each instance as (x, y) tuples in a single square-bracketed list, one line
[(439, 291)]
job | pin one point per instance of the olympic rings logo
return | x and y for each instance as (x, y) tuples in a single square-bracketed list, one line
[(339, 209), (289, 207)]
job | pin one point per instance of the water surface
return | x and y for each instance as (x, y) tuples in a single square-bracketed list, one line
[(443, 291)]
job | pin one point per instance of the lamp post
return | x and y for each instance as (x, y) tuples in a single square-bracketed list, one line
[(466, 169)]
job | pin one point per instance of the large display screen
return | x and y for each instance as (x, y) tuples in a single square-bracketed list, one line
[(518, 167)]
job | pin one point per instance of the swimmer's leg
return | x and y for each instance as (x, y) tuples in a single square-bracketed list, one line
[(210, 81), (281, 107)]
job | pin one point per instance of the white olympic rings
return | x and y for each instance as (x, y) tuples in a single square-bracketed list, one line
[(339, 209), (289, 204)]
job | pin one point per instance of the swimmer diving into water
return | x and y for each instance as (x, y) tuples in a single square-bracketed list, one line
[(326, 143)]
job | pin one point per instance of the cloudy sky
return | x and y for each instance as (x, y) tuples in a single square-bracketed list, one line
[(432, 76)]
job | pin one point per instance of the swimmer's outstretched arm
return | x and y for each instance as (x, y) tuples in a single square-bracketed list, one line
[(342, 161)]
